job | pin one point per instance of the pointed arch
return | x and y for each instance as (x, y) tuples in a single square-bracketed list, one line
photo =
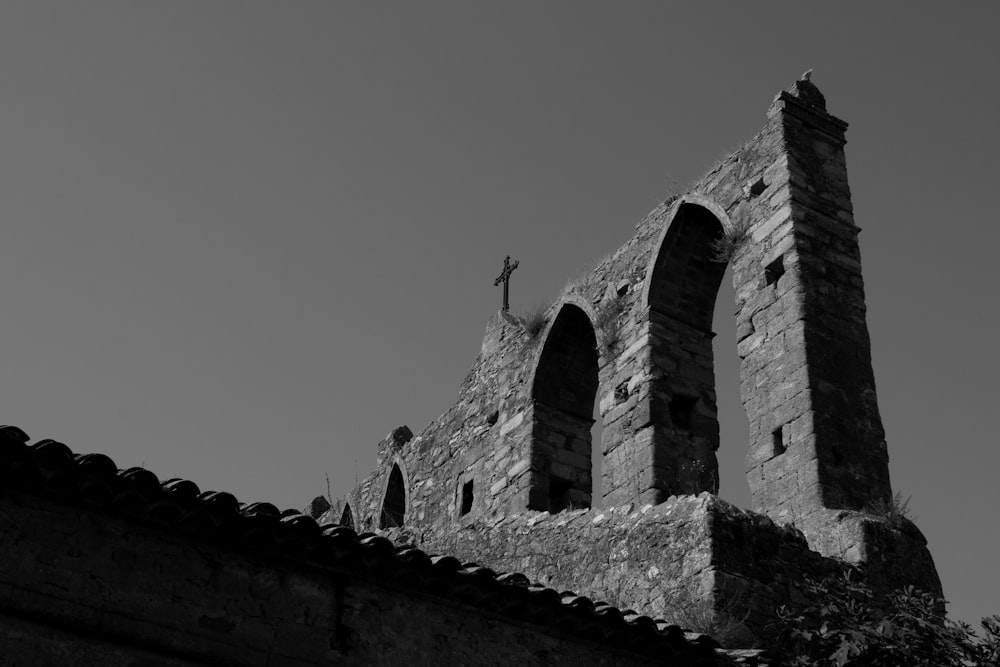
[(685, 273), (393, 512), (563, 390), (347, 516)]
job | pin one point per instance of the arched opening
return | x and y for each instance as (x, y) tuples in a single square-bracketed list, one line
[(682, 293), (394, 504), (564, 393), (347, 516), (734, 427)]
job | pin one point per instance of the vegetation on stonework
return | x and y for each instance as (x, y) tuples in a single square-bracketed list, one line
[(534, 320), (845, 625), (725, 156), (575, 283), (895, 509), (668, 198), (725, 247), (608, 322), (582, 277)]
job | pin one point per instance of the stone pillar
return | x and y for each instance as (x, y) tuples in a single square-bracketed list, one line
[(817, 441)]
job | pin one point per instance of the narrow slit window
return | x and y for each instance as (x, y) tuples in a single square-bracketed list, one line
[(774, 270), (778, 442), (467, 497), (394, 505)]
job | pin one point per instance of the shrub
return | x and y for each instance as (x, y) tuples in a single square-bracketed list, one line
[(844, 624)]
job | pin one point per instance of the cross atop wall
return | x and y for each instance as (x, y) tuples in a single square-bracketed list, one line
[(504, 277)]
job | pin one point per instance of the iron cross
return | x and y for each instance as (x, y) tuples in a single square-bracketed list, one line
[(504, 278)]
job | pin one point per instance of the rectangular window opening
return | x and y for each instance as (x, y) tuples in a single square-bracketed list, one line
[(777, 442), (467, 497), (682, 411), (558, 494), (774, 270)]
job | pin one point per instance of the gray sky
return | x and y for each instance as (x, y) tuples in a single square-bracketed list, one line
[(242, 241)]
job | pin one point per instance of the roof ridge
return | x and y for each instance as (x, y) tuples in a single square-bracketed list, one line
[(50, 468)]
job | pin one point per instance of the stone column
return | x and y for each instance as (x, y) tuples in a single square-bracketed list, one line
[(806, 375)]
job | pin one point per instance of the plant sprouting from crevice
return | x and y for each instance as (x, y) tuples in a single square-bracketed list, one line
[(534, 319), (728, 244), (671, 191), (608, 321), (896, 510)]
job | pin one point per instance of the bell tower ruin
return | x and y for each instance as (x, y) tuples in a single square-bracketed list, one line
[(780, 212), (504, 477)]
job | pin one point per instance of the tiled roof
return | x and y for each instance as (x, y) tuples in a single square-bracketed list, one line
[(50, 468)]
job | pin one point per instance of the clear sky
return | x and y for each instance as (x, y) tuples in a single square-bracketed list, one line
[(243, 241)]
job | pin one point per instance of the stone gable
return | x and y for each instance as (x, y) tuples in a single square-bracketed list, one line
[(631, 342)]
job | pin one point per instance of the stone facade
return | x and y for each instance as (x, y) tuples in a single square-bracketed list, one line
[(656, 558), (634, 339)]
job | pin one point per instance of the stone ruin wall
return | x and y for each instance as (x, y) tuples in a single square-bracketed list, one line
[(662, 559), (634, 336)]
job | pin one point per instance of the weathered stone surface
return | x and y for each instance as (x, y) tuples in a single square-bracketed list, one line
[(651, 557), (634, 337)]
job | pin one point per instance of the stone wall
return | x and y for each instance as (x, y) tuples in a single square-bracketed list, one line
[(634, 337), (659, 560)]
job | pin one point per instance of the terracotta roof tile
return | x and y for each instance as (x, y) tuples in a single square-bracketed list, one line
[(50, 468)]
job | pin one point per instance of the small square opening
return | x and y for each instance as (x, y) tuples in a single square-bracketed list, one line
[(838, 457), (777, 442), (758, 187), (467, 497), (774, 270), (682, 411)]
